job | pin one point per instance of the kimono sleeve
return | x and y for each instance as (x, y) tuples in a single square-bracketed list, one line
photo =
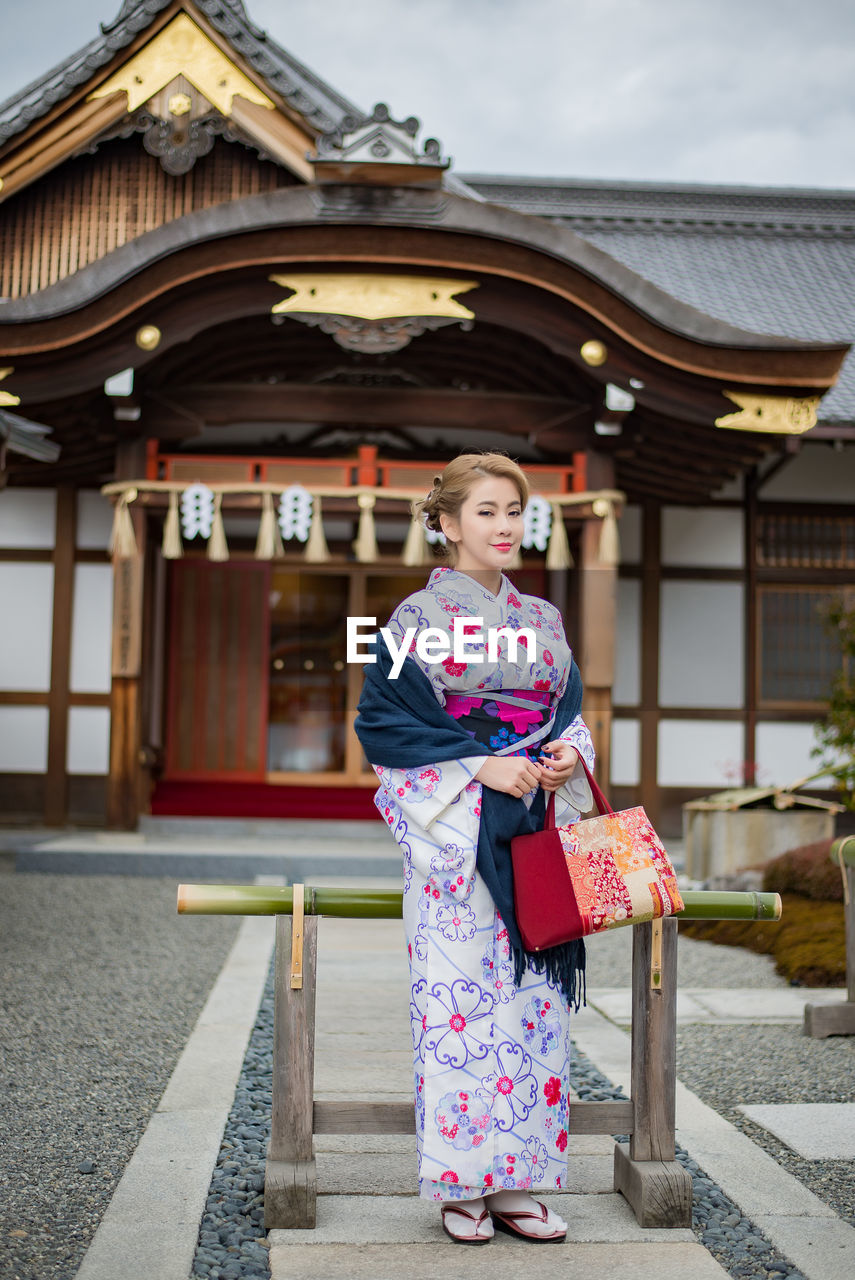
[(423, 794), (577, 790)]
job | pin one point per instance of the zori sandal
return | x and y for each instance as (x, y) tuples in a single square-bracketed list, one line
[(480, 1233), (511, 1223)]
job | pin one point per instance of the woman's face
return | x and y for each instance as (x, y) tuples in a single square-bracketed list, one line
[(488, 530)]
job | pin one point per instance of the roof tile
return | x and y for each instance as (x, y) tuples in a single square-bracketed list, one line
[(777, 261)]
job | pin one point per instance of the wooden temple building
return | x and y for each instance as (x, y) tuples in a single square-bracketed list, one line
[(221, 283)]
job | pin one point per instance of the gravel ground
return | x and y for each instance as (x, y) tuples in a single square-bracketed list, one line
[(733, 1066), (699, 964), (232, 1241), (102, 984), (729, 1067), (732, 1239)]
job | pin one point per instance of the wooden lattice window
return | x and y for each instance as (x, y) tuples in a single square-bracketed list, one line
[(806, 542), (797, 657)]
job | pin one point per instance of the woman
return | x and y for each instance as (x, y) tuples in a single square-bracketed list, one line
[(462, 749)]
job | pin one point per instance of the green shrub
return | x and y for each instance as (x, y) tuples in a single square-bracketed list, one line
[(808, 871), (808, 943), (835, 735)]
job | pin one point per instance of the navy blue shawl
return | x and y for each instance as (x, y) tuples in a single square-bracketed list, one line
[(401, 725)]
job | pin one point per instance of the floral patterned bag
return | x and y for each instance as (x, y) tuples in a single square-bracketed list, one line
[(591, 875)]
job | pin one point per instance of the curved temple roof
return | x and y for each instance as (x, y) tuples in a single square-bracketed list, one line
[(771, 260), (297, 206), (712, 269), (321, 106)]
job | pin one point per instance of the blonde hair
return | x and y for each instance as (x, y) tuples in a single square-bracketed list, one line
[(451, 489)]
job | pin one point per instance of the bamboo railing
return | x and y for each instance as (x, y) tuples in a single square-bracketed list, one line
[(375, 904), (657, 1186)]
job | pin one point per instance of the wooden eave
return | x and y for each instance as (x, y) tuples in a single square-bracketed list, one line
[(223, 403), (75, 122), (209, 253)]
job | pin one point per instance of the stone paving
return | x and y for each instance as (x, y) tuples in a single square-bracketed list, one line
[(816, 1130)]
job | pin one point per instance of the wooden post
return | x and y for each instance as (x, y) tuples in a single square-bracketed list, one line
[(656, 1186), (749, 750), (56, 789), (850, 935), (650, 593), (125, 720), (821, 1020), (597, 606), (125, 701), (290, 1179)]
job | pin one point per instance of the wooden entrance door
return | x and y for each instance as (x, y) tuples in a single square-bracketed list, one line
[(218, 671)]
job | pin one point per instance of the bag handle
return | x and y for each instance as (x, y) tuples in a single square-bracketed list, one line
[(603, 806)]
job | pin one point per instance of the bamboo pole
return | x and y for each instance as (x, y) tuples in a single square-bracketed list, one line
[(372, 904), (843, 851), (710, 904), (267, 900)]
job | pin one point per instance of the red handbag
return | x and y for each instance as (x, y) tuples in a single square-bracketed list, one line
[(591, 875)]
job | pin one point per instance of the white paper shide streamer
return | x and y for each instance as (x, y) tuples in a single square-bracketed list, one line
[(537, 522), (295, 513), (197, 511)]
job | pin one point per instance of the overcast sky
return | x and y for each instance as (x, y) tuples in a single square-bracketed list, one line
[(724, 91)]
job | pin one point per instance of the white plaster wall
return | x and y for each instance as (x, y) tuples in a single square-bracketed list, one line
[(783, 754), (627, 686), (626, 753), (94, 520), (91, 628), (26, 625), (27, 518), (699, 753), (703, 536), (629, 531), (817, 473), (88, 740), (23, 739), (700, 655)]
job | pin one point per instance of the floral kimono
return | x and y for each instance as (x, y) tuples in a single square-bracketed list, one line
[(491, 1059)]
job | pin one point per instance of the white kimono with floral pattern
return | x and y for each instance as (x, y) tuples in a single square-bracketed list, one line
[(491, 1059)]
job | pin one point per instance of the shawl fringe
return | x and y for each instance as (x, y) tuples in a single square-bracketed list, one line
[(563, 965)]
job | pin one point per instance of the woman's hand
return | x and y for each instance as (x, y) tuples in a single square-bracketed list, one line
[(516, 775), (559, 764)]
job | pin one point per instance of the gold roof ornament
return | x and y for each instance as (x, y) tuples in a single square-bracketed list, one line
[(373, 297), (373, 314), (180, 104), (773, 415), (182, 48), (594, 352), (6, 397), (148, 337)]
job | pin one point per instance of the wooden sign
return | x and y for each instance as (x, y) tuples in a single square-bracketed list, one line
[(127, 616)]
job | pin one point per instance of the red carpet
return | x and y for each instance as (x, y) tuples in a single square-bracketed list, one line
[(261, 800)]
